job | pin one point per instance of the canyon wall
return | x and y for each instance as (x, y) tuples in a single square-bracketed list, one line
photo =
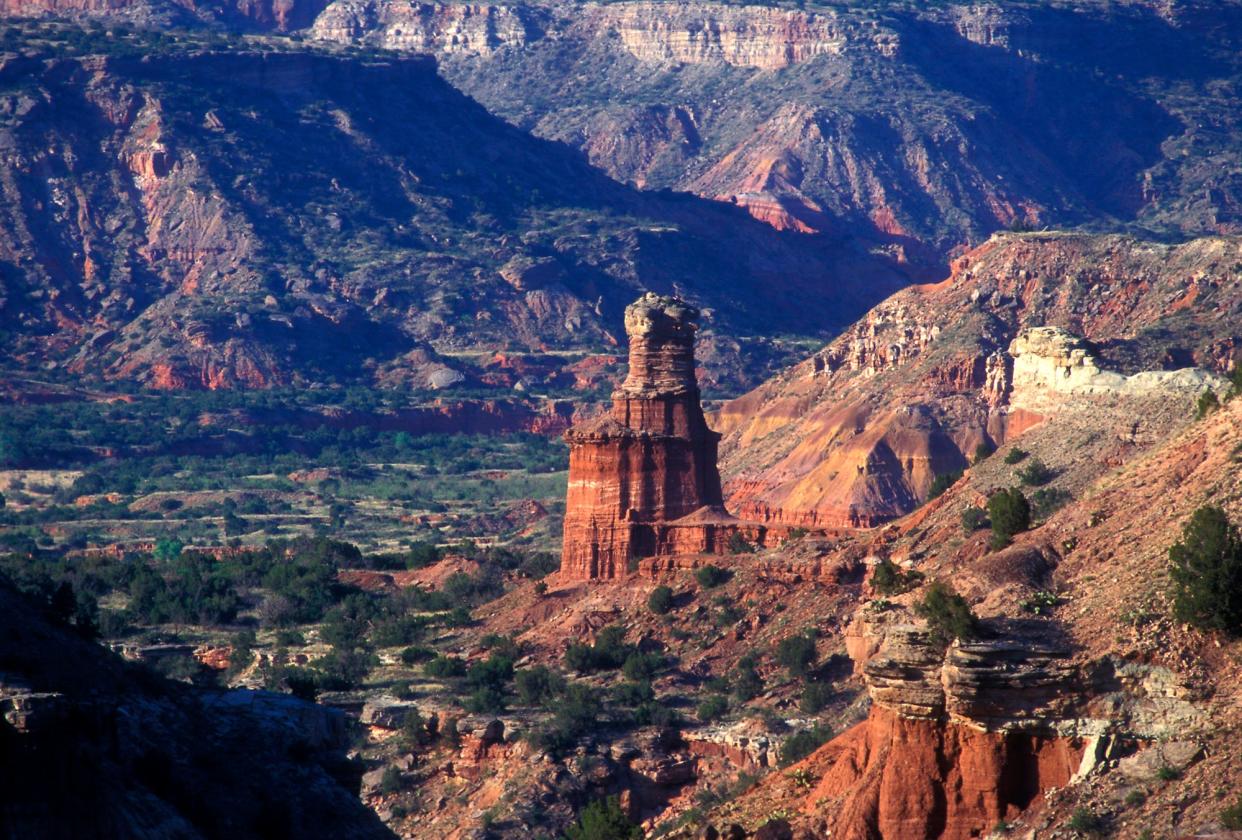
[(1026, 326)]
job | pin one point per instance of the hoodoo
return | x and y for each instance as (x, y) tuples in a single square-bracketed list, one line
[(642, 478)]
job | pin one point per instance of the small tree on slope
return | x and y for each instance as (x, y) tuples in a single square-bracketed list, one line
[(1206, 570)]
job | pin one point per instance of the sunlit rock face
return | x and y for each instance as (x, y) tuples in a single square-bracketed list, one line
[(648, 462)]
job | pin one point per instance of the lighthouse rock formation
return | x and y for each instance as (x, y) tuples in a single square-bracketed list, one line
[(643, 480)]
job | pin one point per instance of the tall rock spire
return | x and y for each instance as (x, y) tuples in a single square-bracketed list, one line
[(648, 462)]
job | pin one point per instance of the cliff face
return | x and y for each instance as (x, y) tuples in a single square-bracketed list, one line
[(135, 755), (155, 213), (649, 461), (922, 128), (470, 29), (856, 434), (767, 39)]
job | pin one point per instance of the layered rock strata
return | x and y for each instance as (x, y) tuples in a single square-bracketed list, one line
[(643, 478)]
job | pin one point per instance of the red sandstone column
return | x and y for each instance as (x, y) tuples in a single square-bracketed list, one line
[(651, 460)]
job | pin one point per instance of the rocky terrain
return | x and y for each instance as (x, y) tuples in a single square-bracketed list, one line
[(297, 299), (94, 747), (922, 129), (187, 213), (856, 434)]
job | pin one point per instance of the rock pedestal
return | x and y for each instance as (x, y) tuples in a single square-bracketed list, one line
[(649, 462)]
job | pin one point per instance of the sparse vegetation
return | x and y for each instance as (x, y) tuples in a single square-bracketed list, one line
[(1036, 473), (710, 576), (1086, 821), (712, 708), (747, 684), (797, 654), (974, 518), (948, 616), (608, 653), (1205, 567), (799, 745), (889, 579), (983, 451), (1231, 817), (1015, 455), (738, 544), (660, 601), (1208, 403), (815, 696), (1041, 603), (604, 820), (1010, 514), (941, 483)]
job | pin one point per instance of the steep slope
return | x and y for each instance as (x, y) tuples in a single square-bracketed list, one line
[(856, 434), (1080, 694), (94, 747), (215, 215), (924, 127)]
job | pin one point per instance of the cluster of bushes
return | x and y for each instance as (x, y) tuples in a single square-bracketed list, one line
[(889, 579)]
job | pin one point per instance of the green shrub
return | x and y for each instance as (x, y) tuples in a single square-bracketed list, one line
[(1135, 798), (983, 451), (1205, 567), (1036, 473), (603, 819), (1010, 513), (390, 782), (1168, 774), (815, 696), (633, 694), (608, 653), (487, 699), (794, 534), (712, 708), (941, 483), (538, 686), (974, 518), (889, 579), (797, 654), (1015, 455), (1208, 402), (799, 745), (414, 655), (747, 684), (710, 576), (660, 601), (343, 670), (1048, 500), (1041, 603), (654, 713), (577, 713), (642, 666), (1087, 821), (947, 614), (738, 544), (1231, 817), (445, 666)]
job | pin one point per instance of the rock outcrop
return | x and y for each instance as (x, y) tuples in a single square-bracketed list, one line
[(1050, 364), (642, 478), (1026, 326), (468, 28)]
